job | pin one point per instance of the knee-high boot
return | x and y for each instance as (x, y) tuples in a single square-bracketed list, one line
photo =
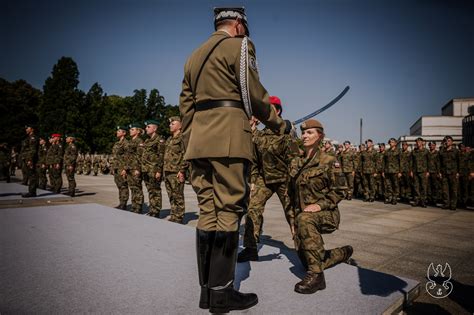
[(223, 296), (204, 243)]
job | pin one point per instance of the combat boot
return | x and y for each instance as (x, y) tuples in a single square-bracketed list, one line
[(204, 242), (394, 201), (422, 204), (28, 195), (223, 297), (121, 206), (248, 254), (311, 283)]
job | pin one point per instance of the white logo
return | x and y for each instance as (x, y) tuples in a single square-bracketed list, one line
[(438, 285)]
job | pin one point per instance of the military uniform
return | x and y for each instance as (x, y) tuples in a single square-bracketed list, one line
[(4, 162), (358, 184), (173, 164), (405, 181), (96, 164), (348, 168), (80, 164), (152, 163), (119, 152), (29, 152), (379, 180), (420, 179), (449, 165), (368, 161), (22, 164), (87, 165), (464, 172), (70, 158), (54, 160), (391, 171), (41, 167), (433, 189), (133, 154)]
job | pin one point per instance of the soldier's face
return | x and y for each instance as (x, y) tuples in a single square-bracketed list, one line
[(347, 146), (175, 126), (419, 144), (369, 144), (121, 133), (133, 132), (28, 130), (392, 144), (449, 142), (42, 141), (151, 129), (310, 137)]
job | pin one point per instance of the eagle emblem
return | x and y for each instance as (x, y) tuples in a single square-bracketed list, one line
[(439, 285)]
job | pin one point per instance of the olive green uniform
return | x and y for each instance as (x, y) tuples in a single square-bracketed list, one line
[(87, 165), (96, 164), (29, 153), (368, 167), (464, 171), (118, 152), (70, 158), (391, 171), (54, 160), (133, 154), (449, 165), (405, 180), (434, 185), (152, 163), (41, 167), (348, 167), (420, 171), (379, 180)]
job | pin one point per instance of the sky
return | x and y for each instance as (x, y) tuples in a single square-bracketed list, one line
[(402, 59)]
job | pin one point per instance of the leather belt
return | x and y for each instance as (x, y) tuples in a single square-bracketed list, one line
[(216, 104)]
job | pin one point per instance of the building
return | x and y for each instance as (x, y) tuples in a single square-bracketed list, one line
[(468, 128)]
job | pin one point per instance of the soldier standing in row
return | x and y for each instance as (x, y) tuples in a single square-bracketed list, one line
[(87, 164), (152, 167), (55, 159), (80, 163), (348, 168), (96, 164), (405, 169), (449, 166), (433, 189), (463, 195), (175, 168), (269, 175), (358, 183), (13, 161), (420, 173), (392, 172), (41, 167), (118, 152), (70, 158), (368, 164), (29, 153), (133, 166), (379, 168), (22, 164)]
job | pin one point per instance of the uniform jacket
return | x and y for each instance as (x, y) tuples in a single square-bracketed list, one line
[(433, 162), (55, 154), (449, 161), (347, 161), (174, 155), (118, 152), (368, 161), (392, 161), (133, 154), (70, 155), (420, 160), (152, 155)]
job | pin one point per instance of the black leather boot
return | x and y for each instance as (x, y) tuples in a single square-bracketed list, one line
[(204, 242), (223, 297), (248, 254)]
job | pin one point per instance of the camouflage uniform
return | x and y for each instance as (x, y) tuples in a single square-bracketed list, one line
[(368, 166), (87, 164), (42, 166), (358, 185), (133, 153), (80, 164), (118, 152), (22, 164), (54, 159), (70, 158), (379, 180), (348, 167), (463, 194), (152, 163), (433, 189), (449, 165), (96, 164), (405, 169), (4, 162), (269, 175), (391, 171), (173, 163), (310, 183), (29, 152), (420, 170)]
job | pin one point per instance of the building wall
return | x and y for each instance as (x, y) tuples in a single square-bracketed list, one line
[(457, 107), (437, 126), (468, 131)]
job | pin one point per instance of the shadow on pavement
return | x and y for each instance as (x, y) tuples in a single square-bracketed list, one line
[(377, 283)]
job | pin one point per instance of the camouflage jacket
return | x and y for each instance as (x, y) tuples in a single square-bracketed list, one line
[(29, 149), (88, 161), (42, 153), (392, 161), (118, 153), (311, 182), (380, 166), (449, 161), (273, 154), (55, 154), (464, 162), (174, 155), (133, 154), (152, 155), (368, 161), (357, 161), (70, 155), (405, 161), (420, 160), (347, 160), (433, 162)]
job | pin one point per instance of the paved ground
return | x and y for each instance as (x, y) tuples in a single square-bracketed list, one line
[(398, 240)]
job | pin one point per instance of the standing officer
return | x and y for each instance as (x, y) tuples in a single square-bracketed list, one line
[(54, 159), (133, 166), (379, 167), (175, 167), (449, 166), (4, 162), (433, 189), (152, 166), (95, 164), (358, 182), (42, 164), (369, 161), (391, 172), (221, 90), (70, 158), (29, 153), (420, 173), (120, 177), (348, 168), (405, 169)]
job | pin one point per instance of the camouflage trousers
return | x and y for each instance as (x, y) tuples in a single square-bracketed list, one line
[(309, 242), (463, 194), (42, 181), (450, 190), (350, 183), (379, 186), (135, 184), (56, 179), (405, 186), (96, 170), (420, 185), (358, 185), (368, 181), (32, 179), (433, 188), (122, 186), (391, 186), (87, 170), (175, 190), (153, 186), (258, 198), (71, 181)]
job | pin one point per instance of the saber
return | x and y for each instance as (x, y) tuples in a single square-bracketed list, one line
[(322, 109)]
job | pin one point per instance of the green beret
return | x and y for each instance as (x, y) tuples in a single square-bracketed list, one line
[(151, 122), (122, 127), (174, 118), (136, 125)]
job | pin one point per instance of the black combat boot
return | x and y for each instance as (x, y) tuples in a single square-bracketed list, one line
[(223, 297), (311, 283), (28, 195), (121, 206), (72, 193), (248, 254), (204, 242)]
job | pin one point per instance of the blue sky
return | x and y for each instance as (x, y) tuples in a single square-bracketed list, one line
[(402, 59)]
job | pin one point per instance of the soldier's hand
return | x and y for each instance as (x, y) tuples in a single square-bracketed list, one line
[(70, 167), (399, 175), (158, 175), (312, 208), (57, 166), (440, 176), (457, 175), (180, 176), (427, 174), (375, 174)]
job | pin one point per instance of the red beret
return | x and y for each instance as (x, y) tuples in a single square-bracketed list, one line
[(275, 100), (55, 135)]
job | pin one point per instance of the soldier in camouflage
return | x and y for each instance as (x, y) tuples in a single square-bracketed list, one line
[(22, 164), (133, 166), (29, 152), (405, 170), (70, 158), (5, 162), (463, 195), (54, 160), (419, 173), (449, 166), (348, 168), (41, 167), (96, 164), (391, 172), (120, 176), (379, 167), (269, 175), (433, 189), (175, 168), (369, 172), (358, 183), (80, 163), (87, 164), (315, 209), (152, 166)]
